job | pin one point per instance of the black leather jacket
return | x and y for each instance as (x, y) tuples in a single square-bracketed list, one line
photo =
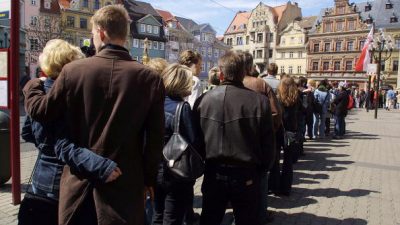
[(236, 125)]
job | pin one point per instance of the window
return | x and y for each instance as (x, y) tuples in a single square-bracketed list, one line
[(229, 41), (327, 47), (33, 2), (208, 65), (270, 52), (291, 55), (271, 37), (141, 42), (209, 52), (350, 46), (161, 45), (282, 69), (298, 69), (34, 44), (339, 26), (362, 42), (70, 21), (259, 38), (315, 66), (397, 43), (34, 21), (96, 4), (135, 43), (47, 22), (150, 45), (156, 30), (369, 20), (283, 40), (85, 3), (149, 29), (47, 5), (325, 66), (393, 19), (349, 65), (203, 51), (328, 27), (383, 65), (155, 45), (338, 46), (83, 23), (336, 65), (203, 67), (389, 5), (395, 65), (259, 54), (239, 41), (247, 40), (300, 54), (316, 47), (216, 53), (283, 55), (290, 69), (351, 25), (368, 7), (142, 28)]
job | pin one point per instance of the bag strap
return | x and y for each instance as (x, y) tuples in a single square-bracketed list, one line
[(177, 119), (326, 97)]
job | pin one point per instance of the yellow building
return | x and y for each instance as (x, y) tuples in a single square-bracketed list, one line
[(291, 52), (76, 18)]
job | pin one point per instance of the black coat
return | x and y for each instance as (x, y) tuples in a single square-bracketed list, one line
[(341, 101)]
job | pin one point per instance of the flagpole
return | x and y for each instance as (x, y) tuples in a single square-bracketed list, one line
[(369, 76)]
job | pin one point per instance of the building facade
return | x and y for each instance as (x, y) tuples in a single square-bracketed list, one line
[(146, 23), (257, 32), (336, 41), (291, 52)]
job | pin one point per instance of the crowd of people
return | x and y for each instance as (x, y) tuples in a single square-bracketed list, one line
[(100, 124)]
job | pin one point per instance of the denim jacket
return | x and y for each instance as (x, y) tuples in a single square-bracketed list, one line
[(320, 96), (55, 150)]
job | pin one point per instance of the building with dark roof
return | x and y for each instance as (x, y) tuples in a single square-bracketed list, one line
[(146, 23)]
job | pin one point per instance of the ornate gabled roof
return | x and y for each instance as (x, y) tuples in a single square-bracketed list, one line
[(238, 23)]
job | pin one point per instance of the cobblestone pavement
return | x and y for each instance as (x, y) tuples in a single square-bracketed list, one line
[(354, 181)]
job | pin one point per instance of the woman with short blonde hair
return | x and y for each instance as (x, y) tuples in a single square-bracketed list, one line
[(56, 54), (158, 64), (177, 80)]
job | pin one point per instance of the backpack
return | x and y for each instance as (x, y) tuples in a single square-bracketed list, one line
[(318, 106), (350, 105), (182, 160)]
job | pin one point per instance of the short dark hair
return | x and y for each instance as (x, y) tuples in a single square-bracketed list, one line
[(272, 69), (324, 83), (232, 66)]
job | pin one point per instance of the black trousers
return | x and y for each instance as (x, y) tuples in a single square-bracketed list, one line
[(280, 180), (34, 211), (310, 124), (172, 198), (239, 186)]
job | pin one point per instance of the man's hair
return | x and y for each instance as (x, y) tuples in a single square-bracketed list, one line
[(178, 80), (232, 66), (189, 58), (56, 54), (114, 19), (213, 76), (272, 69), (324, 83), (158, 64), (248, 62)]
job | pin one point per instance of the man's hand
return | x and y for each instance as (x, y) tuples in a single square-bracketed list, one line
[(114, 175), (148, 191)]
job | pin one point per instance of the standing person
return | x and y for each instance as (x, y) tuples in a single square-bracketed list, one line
[(213, 78), (270, 77), (238, 136), (310, 107), (193, 60), (288, 95), (115, 107), (43, 194), (301, 116), (340, 112), (260, 86), (173, 195), (322, 99)]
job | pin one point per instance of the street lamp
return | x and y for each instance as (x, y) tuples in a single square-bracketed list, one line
[(382, 43)]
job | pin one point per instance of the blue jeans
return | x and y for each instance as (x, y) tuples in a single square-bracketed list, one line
[(340, 125), (319, 124)]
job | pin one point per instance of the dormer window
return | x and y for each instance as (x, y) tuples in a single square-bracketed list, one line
[(244, 26), (389, 5), (393, 18), (368, 7)]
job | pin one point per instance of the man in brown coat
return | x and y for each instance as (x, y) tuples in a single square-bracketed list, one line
[(115, 107)]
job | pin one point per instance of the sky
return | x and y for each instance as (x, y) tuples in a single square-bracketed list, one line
[(219, 13)]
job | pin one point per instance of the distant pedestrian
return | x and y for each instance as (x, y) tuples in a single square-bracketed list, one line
[(321, 103), (213, 78), (270, 77), (340, 111)]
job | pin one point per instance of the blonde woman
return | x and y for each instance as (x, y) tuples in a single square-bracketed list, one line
[(173, 196), (158, 64), (55, 149), (280, 181)]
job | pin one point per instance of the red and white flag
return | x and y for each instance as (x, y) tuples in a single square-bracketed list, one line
[(365, 57)]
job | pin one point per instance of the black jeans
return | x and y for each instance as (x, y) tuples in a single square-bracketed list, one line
[(171, 199), (310, 124), (240, 186), (35, 211), (281, 180)]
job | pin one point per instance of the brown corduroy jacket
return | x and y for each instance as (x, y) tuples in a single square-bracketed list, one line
[(115, 107)]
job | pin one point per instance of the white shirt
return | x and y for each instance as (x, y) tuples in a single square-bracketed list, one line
[(197, 90)]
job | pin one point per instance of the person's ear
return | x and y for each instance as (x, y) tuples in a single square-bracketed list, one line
[(221, 76), (102, 35)]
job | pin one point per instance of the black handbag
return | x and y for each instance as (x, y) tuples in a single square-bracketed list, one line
[(181, 158)]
